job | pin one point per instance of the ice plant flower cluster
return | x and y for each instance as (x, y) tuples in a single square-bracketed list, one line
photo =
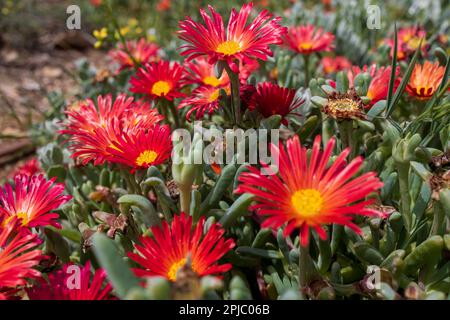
[(136, 52), (161, 79), (31, 200), (120, 131), (238, 41), (307, 39), (72, 282), (425, 80), (309, 193), (171, 247)]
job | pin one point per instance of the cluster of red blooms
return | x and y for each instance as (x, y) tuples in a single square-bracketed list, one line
[(25, 205), (309, 192)]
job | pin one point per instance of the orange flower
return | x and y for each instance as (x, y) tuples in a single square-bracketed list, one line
[(425, 80), (310, 193), (201, 72), (308, 39)]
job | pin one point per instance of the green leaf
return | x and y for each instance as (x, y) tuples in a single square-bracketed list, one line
[(117, 270), (376, 109), (404, 81), (269, 254), (420, 169), (393, 68), (237, 209), (148, 210)]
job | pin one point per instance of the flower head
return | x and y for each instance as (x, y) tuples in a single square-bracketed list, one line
[(92, 130), (237, 41), (271, 99), (201, 72), (379, 85), (73, 282), (425, 80), (203, 100), (309, 193), (172, 246), (408, 42), (307, 39), (18, 256), (142, 51), (335, 64), (143, 148), (29, 168), (344, 106), (31, 201), (160, 79)]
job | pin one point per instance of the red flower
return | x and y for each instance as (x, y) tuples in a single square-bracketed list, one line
[(18, 256), (201, 72), (308, 193), (408, 41), (335, 64), (143, 148), (142, 51), (425, 80), (31, 201), (239, 40), (93, 130), (159, 80), (271, 99), (203, 100), (73, 282), (308, 39), (379, 85), (163, 5), (171, 246), (29, 168)]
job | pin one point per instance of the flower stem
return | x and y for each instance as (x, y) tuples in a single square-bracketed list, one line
[(303, 275), (306, 69), (235, 97), (174, 112)]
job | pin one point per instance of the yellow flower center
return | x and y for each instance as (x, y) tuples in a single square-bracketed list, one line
[(146, 157), (161, 88), (228, 47), (23, 216), (212, 81), (413, 43), (172, 274), (307, 202), (214, 96), (305, 45), (344, 108)]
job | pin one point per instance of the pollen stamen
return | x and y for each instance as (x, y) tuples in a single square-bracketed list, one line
[(228, 48), (160, 88), (146, 157)]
